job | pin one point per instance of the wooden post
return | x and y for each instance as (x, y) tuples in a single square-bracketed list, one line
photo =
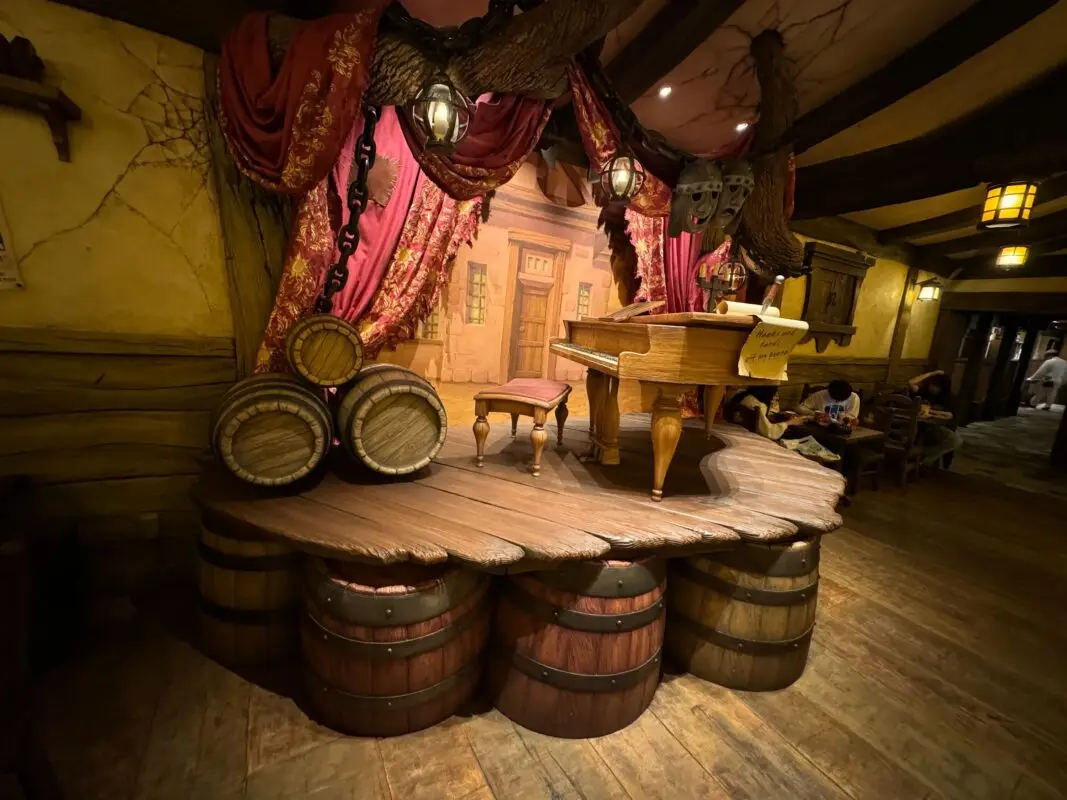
[(975, 356), (1059, 444), (948, 336), (900, 332), (995, 392), (1015, 396)]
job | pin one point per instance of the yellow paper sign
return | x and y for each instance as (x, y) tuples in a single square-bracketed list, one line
[(766, 351)]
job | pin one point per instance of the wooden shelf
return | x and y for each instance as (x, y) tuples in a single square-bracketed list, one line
[(49, 102)]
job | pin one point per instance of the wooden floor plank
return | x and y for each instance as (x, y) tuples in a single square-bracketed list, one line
[(573, 766), (511, 769), (445, 766)]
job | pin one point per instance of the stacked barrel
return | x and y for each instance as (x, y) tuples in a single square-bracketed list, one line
[(274, 429)]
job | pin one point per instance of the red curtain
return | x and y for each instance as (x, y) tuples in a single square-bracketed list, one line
[(646, 236), (285, 128), (436, 227), (681, 255), (503, 131)]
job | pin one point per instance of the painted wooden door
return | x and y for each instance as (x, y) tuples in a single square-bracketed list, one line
[(528, 343)]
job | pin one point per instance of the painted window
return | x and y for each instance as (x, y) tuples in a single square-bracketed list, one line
[(477, 293), (431, 326), (585, 293)]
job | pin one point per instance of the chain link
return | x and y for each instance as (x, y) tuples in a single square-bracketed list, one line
[(441, 43), (348, 236)]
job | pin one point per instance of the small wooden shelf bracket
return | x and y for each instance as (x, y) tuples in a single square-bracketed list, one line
[(49, 102)]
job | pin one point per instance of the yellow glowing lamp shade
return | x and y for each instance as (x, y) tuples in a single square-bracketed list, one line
[(930, 290), (1008, 205), (1011, 257), (622, 177), (441, 115)]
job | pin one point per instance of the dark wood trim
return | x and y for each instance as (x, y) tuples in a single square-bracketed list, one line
[(1015, 396), (839, 230), (1050, 228), (988, 145), (1059, 445), (1019, 302), (201, 24), (900, 329), (969, 33), (999, 379), (1052, 189), (677, 30), (51, 340), (948, 337), (984, 268), (972, 372)]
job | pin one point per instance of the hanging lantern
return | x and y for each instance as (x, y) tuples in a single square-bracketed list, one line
[(441, 115), (622, 177), (721, 273), (1012, 257), (929, 290), (1008, 205)]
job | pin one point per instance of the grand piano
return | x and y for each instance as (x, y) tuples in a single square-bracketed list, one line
[(668, 355)]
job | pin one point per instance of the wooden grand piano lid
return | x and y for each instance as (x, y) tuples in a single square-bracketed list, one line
[(640, 313), (633, 310)]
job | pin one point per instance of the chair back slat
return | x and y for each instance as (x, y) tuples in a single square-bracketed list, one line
[(898, 416)]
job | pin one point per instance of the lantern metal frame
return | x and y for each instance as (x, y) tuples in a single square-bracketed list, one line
[(727, 279), (621, 162), (930, 289), (1013, 257), (460, 111), (1008, 205)]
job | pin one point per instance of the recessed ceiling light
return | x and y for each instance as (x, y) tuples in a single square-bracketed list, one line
[(741, 127), (665, 92)]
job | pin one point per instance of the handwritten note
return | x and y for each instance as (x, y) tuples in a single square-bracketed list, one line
[(766, 351)]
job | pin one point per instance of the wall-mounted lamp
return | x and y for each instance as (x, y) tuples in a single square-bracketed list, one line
[(930, 290), (1008, 205)]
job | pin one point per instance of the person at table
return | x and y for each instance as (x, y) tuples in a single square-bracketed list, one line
[(836, 403), (934, 389), (761, 404), (1047, 380)]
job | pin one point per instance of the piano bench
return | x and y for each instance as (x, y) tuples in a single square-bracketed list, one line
[(528, 397)]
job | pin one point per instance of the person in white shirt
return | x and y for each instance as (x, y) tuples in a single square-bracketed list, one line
[(1048, 379), (836, 403)]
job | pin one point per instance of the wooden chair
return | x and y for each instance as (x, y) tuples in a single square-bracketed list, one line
[(530, 397), (898, 416)]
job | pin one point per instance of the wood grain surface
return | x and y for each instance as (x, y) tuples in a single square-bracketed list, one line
[(324, 350)]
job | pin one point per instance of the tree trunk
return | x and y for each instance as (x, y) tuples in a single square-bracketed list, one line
[(764, 231)]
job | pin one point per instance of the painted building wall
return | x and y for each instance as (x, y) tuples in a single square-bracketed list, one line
[(124, 238)]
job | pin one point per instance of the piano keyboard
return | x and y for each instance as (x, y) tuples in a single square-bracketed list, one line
[(605, 362)]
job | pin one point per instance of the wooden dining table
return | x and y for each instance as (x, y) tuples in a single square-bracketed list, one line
[(846, 445)]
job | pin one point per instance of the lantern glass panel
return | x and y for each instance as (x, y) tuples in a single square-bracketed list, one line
[(1010, 257), (1008, 205)]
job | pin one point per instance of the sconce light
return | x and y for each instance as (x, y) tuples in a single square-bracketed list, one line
[(1008, 205), (441, 115), (930, 290), (1012, 257), (622, 177)]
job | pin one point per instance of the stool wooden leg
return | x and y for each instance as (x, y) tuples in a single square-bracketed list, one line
[(561, 420), (538, 437), (514, 424), (481, 430)]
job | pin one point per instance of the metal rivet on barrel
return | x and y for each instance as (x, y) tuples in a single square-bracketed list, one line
[(740, 646), (389, 650), (612, 681), (544, 675), (796, 645), (388, 703), (619, 584), (556, 613), (660, 604), (325, 637), (748, 595), (618, 623), (803, 562), (329, 599), (388, 612)]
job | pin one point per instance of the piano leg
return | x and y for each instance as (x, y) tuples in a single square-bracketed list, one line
[(666, 431), (609, 424), (712, 400), (596, 391)]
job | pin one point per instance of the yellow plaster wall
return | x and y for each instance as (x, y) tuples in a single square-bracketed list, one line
[(126, 237), (876, 314)]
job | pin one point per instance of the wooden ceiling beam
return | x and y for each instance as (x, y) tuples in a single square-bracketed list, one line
[(1049, 227), (985, 269), (1052, 189), (847, 233), (1020, 136), (969, 33), (677, 30)]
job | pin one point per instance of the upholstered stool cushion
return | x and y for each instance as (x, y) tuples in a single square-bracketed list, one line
[(534, 391)]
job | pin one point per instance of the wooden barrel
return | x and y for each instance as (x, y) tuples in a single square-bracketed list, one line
[(392, 420), (576, 651), (744, 618), (271, 430), (249, 596), (391, 649), (324, 350)]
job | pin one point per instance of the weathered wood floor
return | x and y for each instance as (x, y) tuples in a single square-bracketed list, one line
[(937, 670), (735, 486)]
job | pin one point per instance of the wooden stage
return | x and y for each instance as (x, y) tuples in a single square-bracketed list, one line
[(733, 487)]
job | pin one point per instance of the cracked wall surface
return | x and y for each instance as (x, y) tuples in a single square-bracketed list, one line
[(126, 237)]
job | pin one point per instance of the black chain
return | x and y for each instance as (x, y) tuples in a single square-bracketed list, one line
[(441, 43), (348, 236)]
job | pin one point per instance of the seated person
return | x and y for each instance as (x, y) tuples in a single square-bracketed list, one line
[(761, 402), (836, 403), (934, 389)]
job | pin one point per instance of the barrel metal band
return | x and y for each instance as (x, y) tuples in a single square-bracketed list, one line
[(594, 579), (249, 616), (576, 681), (772, 561), (379, 611), (751, 647), (760, 597), (376, 704), (582, 620), (239, 563), (406, 648)]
